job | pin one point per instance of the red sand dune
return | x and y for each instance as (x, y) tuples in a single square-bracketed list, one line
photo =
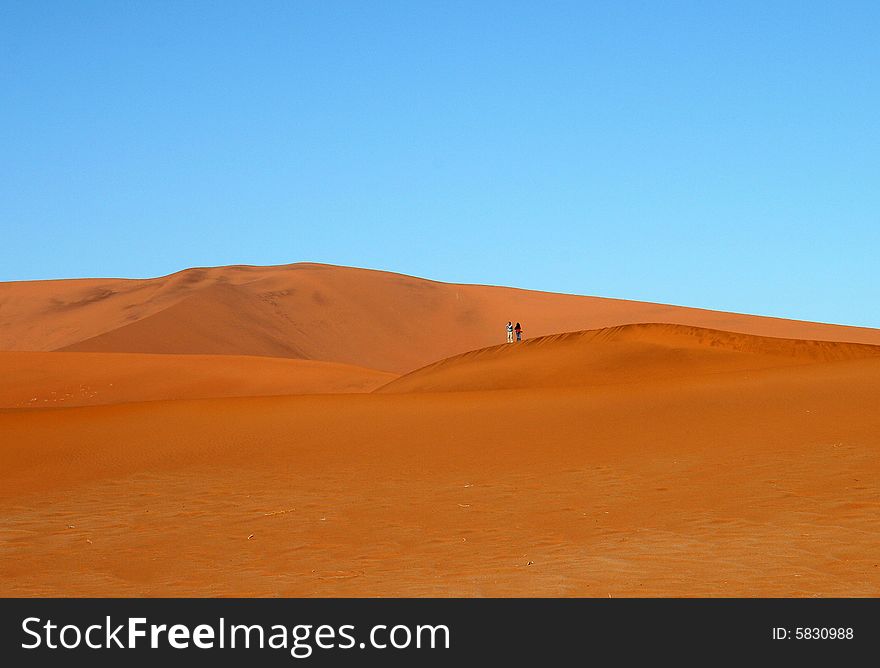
[(715, 484), (647, 460), (373, 319), (623, 354), (53, 380)]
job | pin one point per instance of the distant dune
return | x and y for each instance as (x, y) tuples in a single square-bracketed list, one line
[(627, 353), (223, 432), (367, 318), (57, 380)]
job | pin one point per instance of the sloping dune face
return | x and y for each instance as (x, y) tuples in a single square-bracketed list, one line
[(59, 380), (624, 354), (366, 318)]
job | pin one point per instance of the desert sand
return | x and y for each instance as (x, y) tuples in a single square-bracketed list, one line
[(56, 380), (318, 431)]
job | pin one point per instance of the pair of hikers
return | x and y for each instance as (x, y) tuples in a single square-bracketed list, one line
[(511, 329)]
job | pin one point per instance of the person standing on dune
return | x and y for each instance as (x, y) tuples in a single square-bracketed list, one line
[(519, 331), (509, 332)]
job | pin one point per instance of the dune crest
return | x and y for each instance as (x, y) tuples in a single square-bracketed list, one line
[(625, 353)]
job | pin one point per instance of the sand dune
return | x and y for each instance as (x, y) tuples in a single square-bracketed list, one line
[(713, 455), (623, 354), (54, 380), (373, 319)]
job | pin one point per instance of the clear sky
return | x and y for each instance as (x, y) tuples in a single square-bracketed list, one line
[(716, 154)]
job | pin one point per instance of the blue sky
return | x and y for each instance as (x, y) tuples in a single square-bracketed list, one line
[(716, 154)]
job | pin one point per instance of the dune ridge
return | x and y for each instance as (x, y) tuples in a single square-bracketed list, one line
[(624, 353)]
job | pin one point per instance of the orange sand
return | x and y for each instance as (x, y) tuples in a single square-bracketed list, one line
[(58, 380), (653, 460)]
